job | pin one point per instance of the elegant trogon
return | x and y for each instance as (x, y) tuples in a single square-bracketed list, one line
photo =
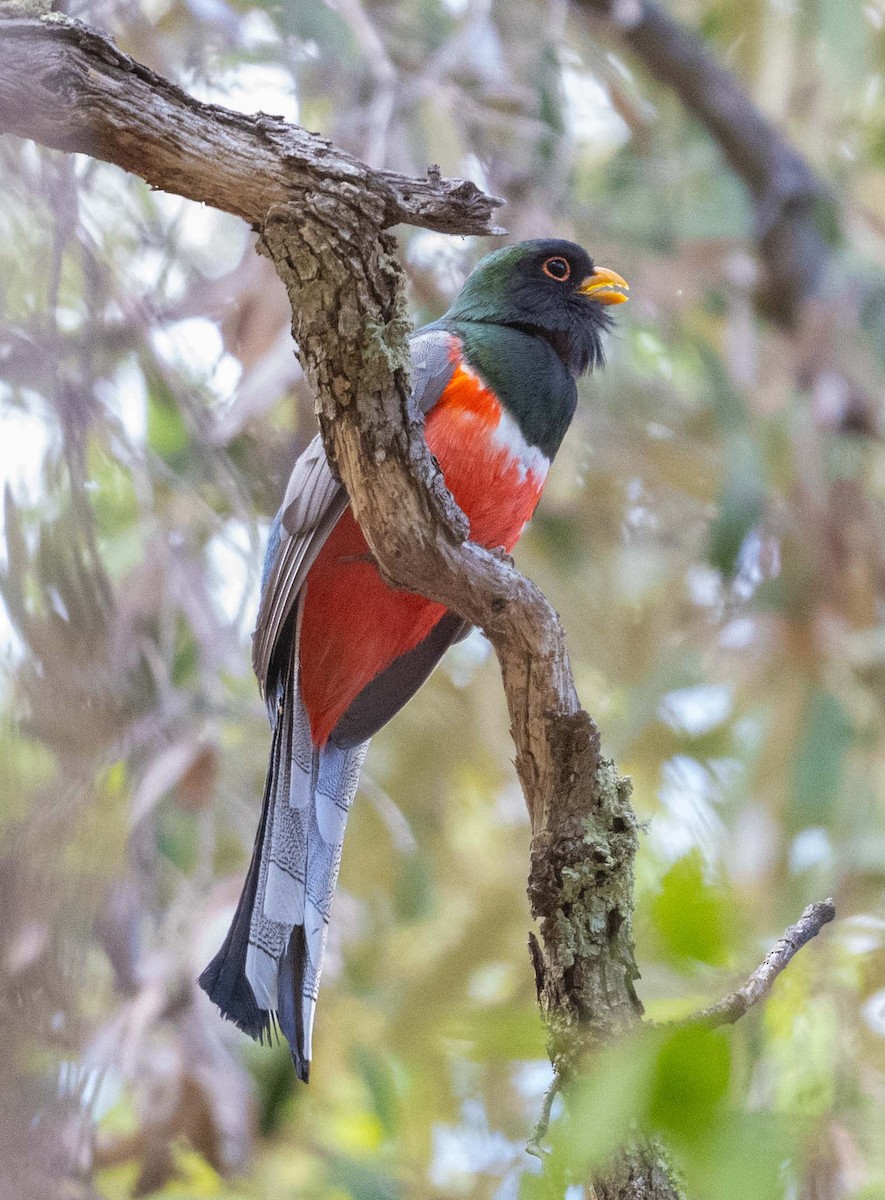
[(337, 652)]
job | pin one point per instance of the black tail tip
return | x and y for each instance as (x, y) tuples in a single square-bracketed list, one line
[(233, 995), (236, 1002)]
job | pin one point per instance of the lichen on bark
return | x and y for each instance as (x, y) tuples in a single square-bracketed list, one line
[(580, 890)]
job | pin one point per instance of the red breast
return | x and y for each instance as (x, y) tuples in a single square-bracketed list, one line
[(353, 625)]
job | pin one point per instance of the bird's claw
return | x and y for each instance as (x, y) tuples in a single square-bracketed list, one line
[(503, 555)]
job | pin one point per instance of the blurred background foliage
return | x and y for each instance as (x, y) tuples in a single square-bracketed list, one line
[(712, 535)]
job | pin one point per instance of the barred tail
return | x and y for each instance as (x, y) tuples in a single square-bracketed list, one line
[(271, 960)]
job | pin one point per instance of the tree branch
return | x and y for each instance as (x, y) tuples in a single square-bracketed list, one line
[(542, 1124), (350, 326), (68, 86), (793, 205), (733, 1006)]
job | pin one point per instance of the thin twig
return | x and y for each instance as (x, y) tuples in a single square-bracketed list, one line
[(733, 1006), (543, 1124)]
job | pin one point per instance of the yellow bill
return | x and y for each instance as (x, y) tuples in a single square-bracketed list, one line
[(605, 286)]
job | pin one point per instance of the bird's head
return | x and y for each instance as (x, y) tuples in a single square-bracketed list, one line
[(548, 288)]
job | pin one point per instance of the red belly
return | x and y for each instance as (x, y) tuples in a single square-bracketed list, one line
[(353, 625)]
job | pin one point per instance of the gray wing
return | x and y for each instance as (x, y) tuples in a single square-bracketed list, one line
[(312, 506), (315, 501)]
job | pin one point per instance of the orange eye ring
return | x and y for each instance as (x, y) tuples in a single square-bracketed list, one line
[(557, 268)]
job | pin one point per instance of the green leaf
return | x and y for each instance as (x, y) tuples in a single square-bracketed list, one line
[(378, 1075), (743, 1159), (741, 504), (177, 836), (689, 914), (166, 430), (824, 742), (502, 1032), (607, 1102), (690, 1081)]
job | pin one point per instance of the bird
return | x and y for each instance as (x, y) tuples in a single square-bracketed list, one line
[(338, 652)]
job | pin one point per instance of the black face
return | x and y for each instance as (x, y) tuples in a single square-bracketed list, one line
[(536, 287)]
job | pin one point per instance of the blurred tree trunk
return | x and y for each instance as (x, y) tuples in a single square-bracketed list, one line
[(795, 211)]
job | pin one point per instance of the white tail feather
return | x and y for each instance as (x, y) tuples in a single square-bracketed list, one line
[(311, 793)]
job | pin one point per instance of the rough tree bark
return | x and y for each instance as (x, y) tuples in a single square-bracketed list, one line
[(322, 218)]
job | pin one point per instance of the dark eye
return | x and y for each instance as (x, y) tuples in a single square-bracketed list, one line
[(557, 268)]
